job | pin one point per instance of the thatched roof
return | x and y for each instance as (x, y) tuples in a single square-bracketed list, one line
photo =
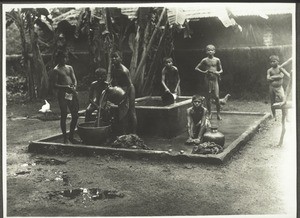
[(202, 10), (71, 16), (194, 11)]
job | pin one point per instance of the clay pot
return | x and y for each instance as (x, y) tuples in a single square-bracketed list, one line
[(92, 135), (214, 136), (115, 94)]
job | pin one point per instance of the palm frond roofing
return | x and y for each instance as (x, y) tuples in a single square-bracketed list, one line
[(197, 11), (200, 10)]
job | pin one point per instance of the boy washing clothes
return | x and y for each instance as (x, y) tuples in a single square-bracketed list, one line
[(170, 77), (95, 91), (197, 120)]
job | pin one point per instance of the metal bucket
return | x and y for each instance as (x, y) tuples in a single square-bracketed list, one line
[(92, 135)]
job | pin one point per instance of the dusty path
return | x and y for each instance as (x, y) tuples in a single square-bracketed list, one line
[(259, 179)]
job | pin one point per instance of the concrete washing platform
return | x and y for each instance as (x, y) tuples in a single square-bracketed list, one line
[(238, 128)]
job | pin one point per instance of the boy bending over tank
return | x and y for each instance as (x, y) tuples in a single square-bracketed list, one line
[(212, 68), (197, 120), (96, 89), (170, 77)]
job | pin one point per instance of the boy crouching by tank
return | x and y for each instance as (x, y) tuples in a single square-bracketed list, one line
[(198, 122)]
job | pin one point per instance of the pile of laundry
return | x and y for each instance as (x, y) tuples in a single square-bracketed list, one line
[(130, 141), (207, 148)]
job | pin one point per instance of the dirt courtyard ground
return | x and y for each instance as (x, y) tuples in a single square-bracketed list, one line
[(259, 179)]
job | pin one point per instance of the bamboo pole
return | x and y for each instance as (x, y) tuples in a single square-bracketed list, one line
[(153, 64)]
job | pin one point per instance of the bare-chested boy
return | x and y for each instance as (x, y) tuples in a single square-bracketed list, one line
[(275, 78), (212, 68), (121, 77), (65, 82), (197, 120), (170, 77), (96, 89)]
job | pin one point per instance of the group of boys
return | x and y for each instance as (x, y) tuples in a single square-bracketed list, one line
[(66, 83), (198, 116)]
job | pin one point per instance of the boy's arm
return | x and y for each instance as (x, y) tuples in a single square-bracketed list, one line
[(275, 77), (73, 77), (178, 80), (269, 76), (203, 123), (128, 82), (91, 92), (163, 78), (219, 66), (74, 81), (190, 124), (199, 66)]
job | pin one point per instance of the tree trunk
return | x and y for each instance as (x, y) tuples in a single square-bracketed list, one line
[(42, 80), (135, 53), (19, 21)]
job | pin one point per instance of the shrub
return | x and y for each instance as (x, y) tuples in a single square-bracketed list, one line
[(16, 84)]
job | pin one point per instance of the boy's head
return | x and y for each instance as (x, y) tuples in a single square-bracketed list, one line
[(274, 60), (101, 74), (210, 50), (168, 61), (198, 101), (116, 58), (61, 57)]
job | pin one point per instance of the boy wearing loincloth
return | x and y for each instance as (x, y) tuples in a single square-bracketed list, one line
[(275, 78), (65, 82), (212, 68)]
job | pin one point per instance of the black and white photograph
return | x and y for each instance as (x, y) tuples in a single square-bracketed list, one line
[(149, 109)]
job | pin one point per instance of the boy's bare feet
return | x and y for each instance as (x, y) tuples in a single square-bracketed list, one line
[(189, 141), (66, 141), (74, 141)]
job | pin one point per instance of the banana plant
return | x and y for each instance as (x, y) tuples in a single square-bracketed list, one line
[(26, 19)]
